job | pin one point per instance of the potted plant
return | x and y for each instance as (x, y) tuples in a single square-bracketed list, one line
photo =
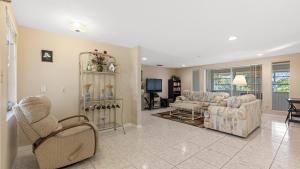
[(98, 61)]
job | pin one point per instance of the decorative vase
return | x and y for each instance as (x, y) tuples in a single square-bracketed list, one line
[(109, 92), (99, 68), (87, 95), (102, 96)]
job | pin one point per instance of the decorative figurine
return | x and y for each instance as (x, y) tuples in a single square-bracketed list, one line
[(111, 67), (89, 66)]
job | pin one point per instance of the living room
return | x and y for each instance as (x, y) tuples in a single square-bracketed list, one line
[(149, 85)]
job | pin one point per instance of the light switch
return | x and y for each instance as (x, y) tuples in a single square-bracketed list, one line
[(43, 89)]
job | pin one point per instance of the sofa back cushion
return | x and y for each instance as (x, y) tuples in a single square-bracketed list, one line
[(186, 94), (215, 97), (196, 96), (237, 101)]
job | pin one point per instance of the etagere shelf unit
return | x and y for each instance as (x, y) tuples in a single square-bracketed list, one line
[(97, 85)]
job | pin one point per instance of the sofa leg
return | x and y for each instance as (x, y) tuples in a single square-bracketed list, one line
[(193, 114)]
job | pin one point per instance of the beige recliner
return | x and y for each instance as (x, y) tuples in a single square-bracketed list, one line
[(56, 143)]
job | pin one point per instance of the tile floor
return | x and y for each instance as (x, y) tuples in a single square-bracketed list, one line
[(164, 144)]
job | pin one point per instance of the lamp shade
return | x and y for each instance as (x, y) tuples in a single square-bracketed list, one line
[(239, 80)]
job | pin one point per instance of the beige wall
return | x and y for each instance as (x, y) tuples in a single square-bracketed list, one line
[(63, 72), (186, 75), (158, 73)]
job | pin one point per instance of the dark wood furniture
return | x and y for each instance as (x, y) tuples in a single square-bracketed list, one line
[(174, 89), (164, 102), (293, 111)]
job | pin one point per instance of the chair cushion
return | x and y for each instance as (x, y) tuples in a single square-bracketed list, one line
[(35, 108), (46, 126), (37, 113)]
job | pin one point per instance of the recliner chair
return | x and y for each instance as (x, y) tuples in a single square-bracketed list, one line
[(56, 143)]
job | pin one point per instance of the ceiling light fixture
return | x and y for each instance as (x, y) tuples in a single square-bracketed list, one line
[(232, 38), (144, 59), (259, 54), (183, 65), (77, 26)]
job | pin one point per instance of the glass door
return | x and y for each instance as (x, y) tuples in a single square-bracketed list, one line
[(253, 75), (280, 85)]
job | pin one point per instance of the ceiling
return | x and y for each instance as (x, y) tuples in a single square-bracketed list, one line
[(175, 32)]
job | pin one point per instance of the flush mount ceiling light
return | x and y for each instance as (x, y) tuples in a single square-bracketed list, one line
[(144, 59), (259, 54), (183, 65), (77, 26), (232, 38)]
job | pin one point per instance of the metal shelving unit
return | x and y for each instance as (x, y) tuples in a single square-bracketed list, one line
[(97, 98)]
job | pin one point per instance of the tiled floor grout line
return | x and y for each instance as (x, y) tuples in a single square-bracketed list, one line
[(200, 151), (190, 156), (90, 161), (235, 154), (279, 147)]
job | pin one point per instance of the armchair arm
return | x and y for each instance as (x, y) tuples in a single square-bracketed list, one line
[(76, 116), (55, 133)]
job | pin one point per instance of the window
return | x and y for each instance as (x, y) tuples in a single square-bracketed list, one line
[(221, 80), (196, 80), (253, 78), (280, 77), (11, 66)]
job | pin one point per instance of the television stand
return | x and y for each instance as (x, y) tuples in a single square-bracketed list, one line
[(154, 101)]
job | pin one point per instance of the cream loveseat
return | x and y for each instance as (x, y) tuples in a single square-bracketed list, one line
[(55, 143), (240, 117)]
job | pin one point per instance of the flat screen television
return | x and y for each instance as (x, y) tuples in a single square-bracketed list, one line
[(153, 85)]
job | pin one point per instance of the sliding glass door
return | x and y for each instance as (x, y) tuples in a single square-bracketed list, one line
[(280, 85), (253, 77), (220, 80)]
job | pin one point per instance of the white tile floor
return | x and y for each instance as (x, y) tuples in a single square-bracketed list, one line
[(165, 144)]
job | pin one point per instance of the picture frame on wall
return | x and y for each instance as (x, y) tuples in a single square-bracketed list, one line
[(47, 56)]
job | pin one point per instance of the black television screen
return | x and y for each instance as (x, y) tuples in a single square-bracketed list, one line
[(154, 85)]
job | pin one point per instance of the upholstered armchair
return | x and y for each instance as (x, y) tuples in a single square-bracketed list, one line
[(56, 143)]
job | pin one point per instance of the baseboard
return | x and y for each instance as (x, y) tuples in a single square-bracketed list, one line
[(25, 148), (132, 125), (278, 113)]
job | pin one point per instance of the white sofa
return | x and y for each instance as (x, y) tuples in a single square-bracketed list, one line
[(240, 117), (202, 98)]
